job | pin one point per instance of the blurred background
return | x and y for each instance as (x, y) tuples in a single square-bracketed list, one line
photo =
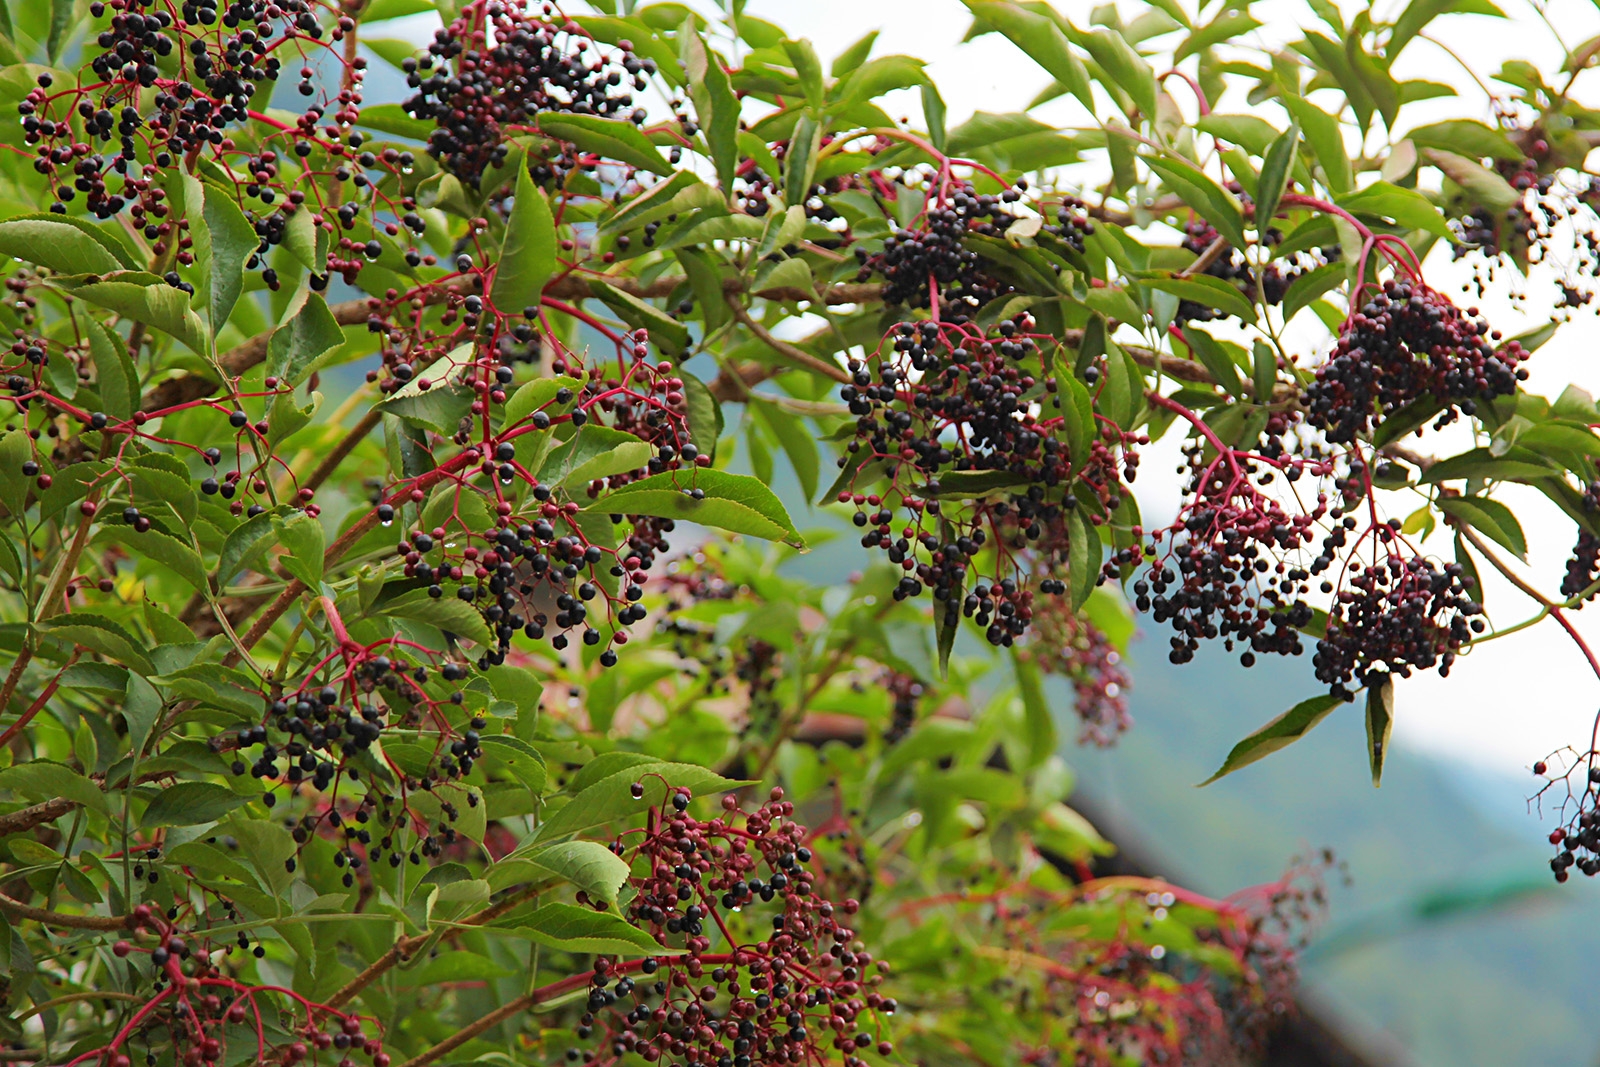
[(1450, 945)]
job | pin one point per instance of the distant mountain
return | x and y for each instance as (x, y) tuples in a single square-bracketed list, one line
[(1447, 942)]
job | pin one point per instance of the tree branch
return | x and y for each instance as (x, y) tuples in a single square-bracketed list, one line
[(56, 918)]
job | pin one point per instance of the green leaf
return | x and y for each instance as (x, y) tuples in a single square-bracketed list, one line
[(1485, 187), (302, 535), (520, 758), (447, 613), (800, 161), (61, 246), (1380, 723), (1407, 207), (733, 502), (233, 242), (439, 408), (528, 252), (669, 335), (1518, 464), (243, 543), (589, 865), (1325, 135), (43, 780), (116, 378), (1275, 166), (854, 56), (1204, 289), (681, 191), (705, 414), (142, 706), (716, 106), (1039, 726), (571, 928), (296, 347), (612, 796), (971, 485), (61, 18), (611, 138), (1249, 131), (797, 442), (1083, 557), (143, 298), (1281, 732), (1466, 137), (393, 119), (1310, 285), (1263, 371), (165, 549), (1042, 40), (1489, 517), (15, 449), (190, 804), (98, 634), (1203, 195), (1128, 70), (806, 66), (1216, 360), (595, 451), (1416, 15)]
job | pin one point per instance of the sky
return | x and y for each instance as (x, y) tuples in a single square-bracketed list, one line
[(1513, 700)]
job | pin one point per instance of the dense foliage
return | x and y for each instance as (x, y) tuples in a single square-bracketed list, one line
[(478, 712)]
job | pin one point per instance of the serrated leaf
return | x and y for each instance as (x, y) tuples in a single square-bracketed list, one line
[(668, 334), (1489, 517), (1380, 724), (1206, 290), (575, 929), (1486, 187), (302, 535), (527, 253), (447, 613), (1042, 40), (115, 375), (1407, 207), (611, 138), (165, 549), (43, 780), (612, 796), (143, 298), (1083, 557), (190, 804), (297, 347), (1281, 732), (1275, 167), (733, 502), (589, 865), (233, 242), (1216, 360), (1202, 194), (1466, 137), (1325, 135), (61, 246)]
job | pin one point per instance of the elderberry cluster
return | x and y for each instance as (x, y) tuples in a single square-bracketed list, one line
[(1584, 566), (933, 256), (950, 415), (1231, 570), (197, 1008), (768, 974), (1397, 616), (1409, 343), (1068, 644), (538, 62)]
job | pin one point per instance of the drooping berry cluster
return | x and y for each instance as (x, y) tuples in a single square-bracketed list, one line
[(544, 560), (1408, 343), (499, 66), (1232, 569), (931, 257), (949, 416), (1068, 644), (1583, 569), (769, 972), (198, 1015), (1397, 616)]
